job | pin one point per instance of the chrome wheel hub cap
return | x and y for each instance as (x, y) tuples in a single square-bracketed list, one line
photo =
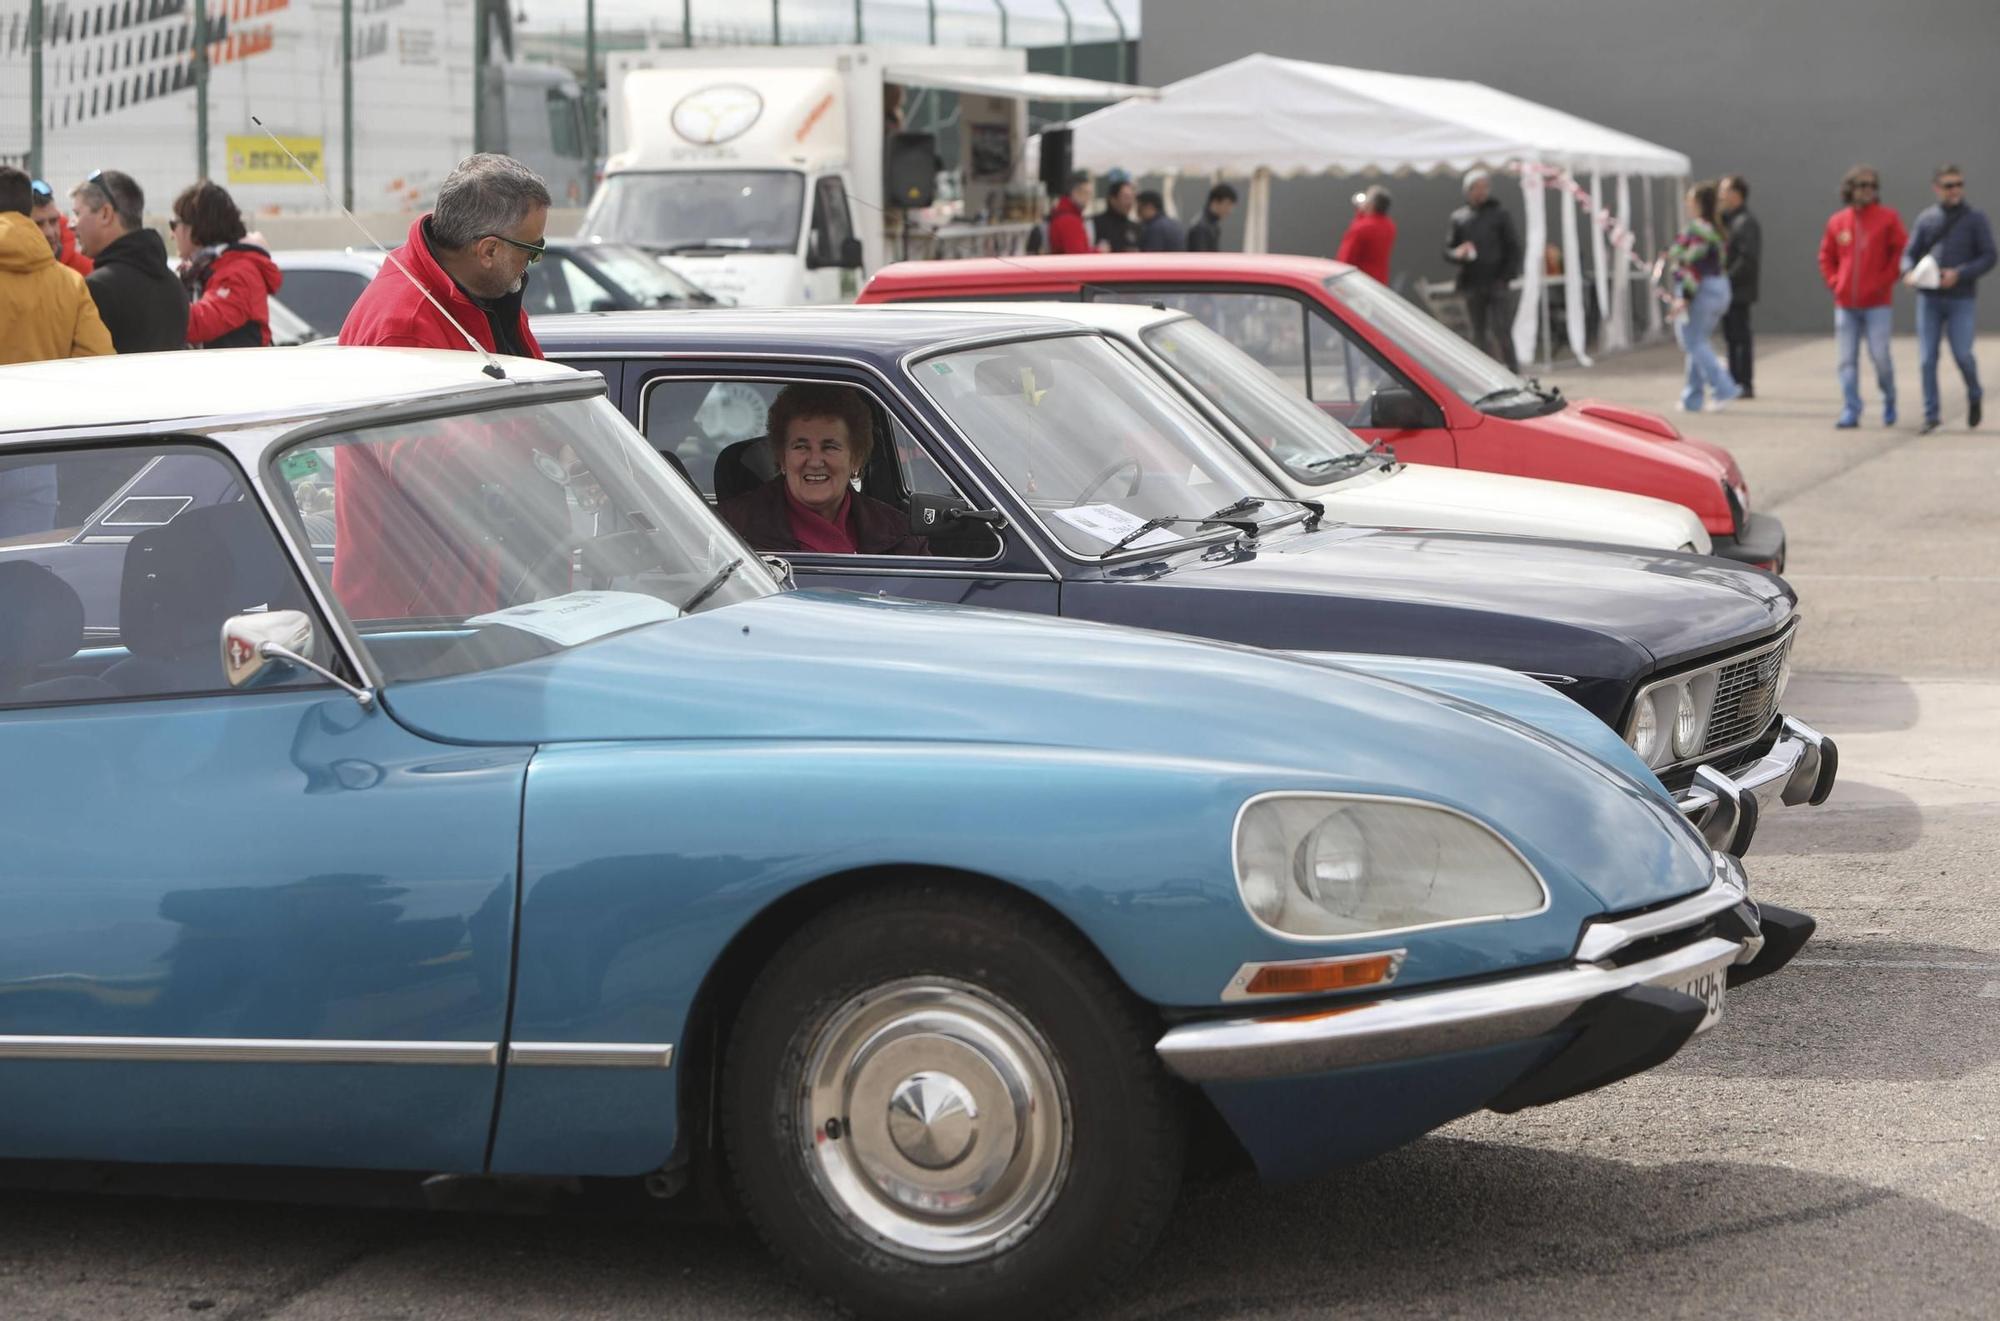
[(935, 1120)]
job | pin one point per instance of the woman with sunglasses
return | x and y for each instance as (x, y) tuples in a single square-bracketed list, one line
[(229, 281), (1860, 258)]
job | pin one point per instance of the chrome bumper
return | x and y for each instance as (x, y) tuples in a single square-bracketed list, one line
[(1425, 1023), (1799, 768)]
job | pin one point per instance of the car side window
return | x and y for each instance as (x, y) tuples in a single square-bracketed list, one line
[(832, 226), (1269, 327), (717, 431), (119, 567), (323, 298), (1345, 375)]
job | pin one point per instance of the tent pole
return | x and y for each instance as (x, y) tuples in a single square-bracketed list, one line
[(1111, 9), (1069, 48)]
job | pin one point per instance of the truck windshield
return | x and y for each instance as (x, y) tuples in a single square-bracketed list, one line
[(1287, 425), (475, 540), (1464, 370), (696, 210), (1092, 442)]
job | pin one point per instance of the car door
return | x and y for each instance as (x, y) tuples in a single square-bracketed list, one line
[(710, 421), (1316, 350), (263, 925)]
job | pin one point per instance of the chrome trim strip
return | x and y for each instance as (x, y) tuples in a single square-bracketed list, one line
[(1237, 987), (592, 1054), (247, 1050), (1236, 865), (1419, 1024), (1605, 937)]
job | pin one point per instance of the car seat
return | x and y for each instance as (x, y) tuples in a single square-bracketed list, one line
[(44, 627), (743, 466), (181, 583)]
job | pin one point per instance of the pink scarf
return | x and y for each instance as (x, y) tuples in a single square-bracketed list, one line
[(827, 536)]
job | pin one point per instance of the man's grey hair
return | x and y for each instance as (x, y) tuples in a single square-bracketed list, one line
[(120, 191), (487, 194)]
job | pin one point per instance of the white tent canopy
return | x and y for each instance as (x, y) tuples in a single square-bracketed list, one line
[(1269, 117)]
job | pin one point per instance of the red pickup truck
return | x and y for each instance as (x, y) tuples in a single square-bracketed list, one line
[(1387, 370)]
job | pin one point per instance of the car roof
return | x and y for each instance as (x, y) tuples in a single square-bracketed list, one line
[(880, 332), (362, 261), (148, 389), (1072, 271)]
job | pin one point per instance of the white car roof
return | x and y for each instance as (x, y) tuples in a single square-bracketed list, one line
[(151, 389), (360, 261)]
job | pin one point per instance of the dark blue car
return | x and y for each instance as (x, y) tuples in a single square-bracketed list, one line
[(1046, 472)]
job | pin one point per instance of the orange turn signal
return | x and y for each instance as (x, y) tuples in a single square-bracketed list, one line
[(1315, 976)]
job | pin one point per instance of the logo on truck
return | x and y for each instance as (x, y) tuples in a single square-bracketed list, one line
[(717, 113)]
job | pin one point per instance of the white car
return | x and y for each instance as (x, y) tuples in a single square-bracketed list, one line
[(1314, 457)]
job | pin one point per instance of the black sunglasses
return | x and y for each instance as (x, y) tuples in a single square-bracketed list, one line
[(1951, 183), (537, 249)]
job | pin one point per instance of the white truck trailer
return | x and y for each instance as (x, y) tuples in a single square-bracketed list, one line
[(759, 172)]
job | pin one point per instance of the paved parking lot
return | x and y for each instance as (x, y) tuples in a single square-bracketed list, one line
[(1833, 1148)]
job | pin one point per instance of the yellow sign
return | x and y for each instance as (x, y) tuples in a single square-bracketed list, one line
[(254, 158)]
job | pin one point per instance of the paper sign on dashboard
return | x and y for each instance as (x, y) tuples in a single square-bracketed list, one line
[(577, 617)]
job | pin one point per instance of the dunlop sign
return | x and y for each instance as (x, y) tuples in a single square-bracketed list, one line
[(256, 159)]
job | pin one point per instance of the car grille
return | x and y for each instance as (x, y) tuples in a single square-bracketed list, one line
[(1746, 697)]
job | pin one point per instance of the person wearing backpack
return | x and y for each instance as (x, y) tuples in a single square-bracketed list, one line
[(1950, 247)]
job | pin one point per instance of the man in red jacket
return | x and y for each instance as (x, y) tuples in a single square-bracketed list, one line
[(1371, 235), (1860, 258), (1067, 232), (471, 255)]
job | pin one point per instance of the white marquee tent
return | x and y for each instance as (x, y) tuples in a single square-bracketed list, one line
[(1269, 117)]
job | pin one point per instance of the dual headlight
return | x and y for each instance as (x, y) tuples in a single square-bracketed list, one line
[(1326, 865), (1670, 718)]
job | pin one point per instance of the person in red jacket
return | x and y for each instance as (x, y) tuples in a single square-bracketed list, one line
[(1860, 258), (1068, 235), (1371, 235), (471, 255), (229, 282)]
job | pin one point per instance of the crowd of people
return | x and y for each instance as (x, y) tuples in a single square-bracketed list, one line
[(97, 279), (1130, 221)]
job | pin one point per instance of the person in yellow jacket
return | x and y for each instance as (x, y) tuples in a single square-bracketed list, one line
[(46, 310)]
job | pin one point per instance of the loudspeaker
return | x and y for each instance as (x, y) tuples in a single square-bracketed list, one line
[(1056, 159), (909, 170)]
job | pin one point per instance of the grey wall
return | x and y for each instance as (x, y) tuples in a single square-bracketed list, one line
[(1787, 92)]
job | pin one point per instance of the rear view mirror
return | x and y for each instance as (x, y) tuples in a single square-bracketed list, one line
[(267, 641), (1399, 408)]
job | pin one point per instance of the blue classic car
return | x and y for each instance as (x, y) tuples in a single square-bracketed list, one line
[(1049, 472), (451, 792)]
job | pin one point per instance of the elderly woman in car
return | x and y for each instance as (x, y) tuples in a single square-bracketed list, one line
[(820, 438)]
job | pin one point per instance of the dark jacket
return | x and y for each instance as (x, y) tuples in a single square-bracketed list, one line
[(231, 288), (1491, 231), (138, 294), (763, 518), (392, 312), (1205, 234), (1967, 249), (1162, 233), (1746, 255), (1121, 232)]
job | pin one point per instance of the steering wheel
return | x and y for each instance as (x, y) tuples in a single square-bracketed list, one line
[(1104, 476)]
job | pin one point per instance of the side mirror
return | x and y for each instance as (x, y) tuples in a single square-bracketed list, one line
[(1398, 408), (850, 253), (258, 644), (781, 569), (933, 514), (604, 304)]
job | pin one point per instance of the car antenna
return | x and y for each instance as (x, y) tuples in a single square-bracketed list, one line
[(492, 367)]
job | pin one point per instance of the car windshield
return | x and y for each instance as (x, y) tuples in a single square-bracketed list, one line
[(1310, 445), (638, 274), (1091, 441), (690, 210), (1463, 369), (475, 540)]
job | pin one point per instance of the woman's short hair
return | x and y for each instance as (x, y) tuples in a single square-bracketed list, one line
[(815, 400), (210, 214), (1855, 176)]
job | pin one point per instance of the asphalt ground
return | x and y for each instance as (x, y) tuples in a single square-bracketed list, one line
[(1831, 1149)]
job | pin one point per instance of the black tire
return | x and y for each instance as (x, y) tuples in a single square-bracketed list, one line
[(1125, 1125)]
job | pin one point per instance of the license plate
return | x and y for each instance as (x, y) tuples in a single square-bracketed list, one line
[(1707, 987)]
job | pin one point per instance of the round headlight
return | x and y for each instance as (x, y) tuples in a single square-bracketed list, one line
[(1330, 864), (1645, 735), (1688, 724)]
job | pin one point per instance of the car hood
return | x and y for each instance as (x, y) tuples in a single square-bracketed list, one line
[(1427, 496), (1670, 605), (807, 668), (1575, 422)]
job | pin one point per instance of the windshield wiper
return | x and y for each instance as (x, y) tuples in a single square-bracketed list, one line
[(1247, 526), (713, 585), (1502, 393)]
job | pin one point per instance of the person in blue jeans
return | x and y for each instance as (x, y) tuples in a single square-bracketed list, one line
[(1950, 247), (1699, 291)]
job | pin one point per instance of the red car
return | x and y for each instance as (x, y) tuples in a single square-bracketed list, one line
[(1385, 368)]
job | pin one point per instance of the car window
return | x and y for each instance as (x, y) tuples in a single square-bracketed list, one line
[(1345, 376), (323, 297), (831, 224), (557, 284), (1269, 327), (717, 430), (119, 567)]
